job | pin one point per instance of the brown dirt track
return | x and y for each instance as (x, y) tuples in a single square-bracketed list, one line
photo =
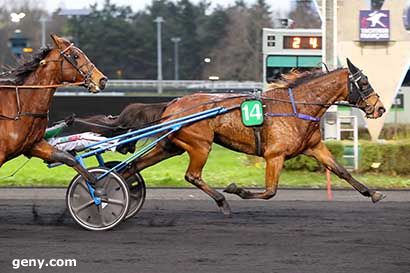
[(191, 236)]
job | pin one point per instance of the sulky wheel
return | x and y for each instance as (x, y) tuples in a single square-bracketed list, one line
[(113, 207), (137, 189)]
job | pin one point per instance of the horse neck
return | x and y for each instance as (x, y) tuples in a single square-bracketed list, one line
[(41, 98), (326, 90)]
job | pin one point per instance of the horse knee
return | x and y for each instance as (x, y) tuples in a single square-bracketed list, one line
[(198, 182)]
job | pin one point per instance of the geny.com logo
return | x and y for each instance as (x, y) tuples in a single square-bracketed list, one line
[(40, 263)]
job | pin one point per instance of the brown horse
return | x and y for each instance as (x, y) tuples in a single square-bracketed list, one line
[(282, 137), (26, 99)]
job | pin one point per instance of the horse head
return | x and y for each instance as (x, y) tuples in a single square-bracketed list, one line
[(76, 67), (362, 94)]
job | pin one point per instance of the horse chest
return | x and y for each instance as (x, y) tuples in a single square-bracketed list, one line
[(22, 134)]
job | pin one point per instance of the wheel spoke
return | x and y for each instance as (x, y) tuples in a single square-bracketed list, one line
[(100, 213), (84, 206), (115, 202)]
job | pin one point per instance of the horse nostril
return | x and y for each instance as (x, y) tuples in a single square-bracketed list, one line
[(103, 82)]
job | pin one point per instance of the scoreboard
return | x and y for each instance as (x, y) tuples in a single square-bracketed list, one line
[(284, 49), (302, 42)]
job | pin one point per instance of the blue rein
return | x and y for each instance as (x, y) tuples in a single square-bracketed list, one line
[(295, 113)]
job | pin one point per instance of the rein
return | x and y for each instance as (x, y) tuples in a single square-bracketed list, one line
[(258, 97), (18, 101), (246, 96), (42, 86), (79, 120)]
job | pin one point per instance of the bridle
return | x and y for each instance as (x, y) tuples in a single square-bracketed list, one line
[(359, 94), (71, 59), (73, 62)]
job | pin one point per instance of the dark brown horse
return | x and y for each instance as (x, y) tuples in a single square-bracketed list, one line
[(133, 117), (282, 137), (26, 99)]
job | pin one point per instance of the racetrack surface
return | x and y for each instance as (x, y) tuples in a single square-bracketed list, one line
[(192, 236)]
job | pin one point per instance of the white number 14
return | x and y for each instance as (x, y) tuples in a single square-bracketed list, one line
[(256, 112)]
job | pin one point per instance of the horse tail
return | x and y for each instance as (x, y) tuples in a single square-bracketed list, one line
[(101, 124), (138, 115), (133, 117)]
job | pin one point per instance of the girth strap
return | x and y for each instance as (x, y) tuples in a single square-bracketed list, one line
[(258, 139), (28, 114), (19, 113), (35, 115)]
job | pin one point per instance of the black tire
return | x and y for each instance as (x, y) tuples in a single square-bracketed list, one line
[(137, 188), (112, 209)]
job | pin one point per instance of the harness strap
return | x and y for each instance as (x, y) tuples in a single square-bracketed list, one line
[(30, 114), (35, 115), (18, 101), (258, 139), (295, 113)]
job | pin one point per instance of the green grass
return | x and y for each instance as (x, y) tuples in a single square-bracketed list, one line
[(223, 167)]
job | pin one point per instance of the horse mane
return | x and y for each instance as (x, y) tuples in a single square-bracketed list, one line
[(296, 77), (21, 72)]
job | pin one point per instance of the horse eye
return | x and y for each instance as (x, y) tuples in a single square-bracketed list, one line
[(76, 56)]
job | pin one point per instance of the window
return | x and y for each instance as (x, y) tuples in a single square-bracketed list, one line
[(377, 4), (406, 17)]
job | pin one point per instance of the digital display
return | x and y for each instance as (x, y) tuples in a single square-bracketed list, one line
[(302, 42)]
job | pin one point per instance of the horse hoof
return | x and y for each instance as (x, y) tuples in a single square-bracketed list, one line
[(231, 188), (377, 196), (226, 210)]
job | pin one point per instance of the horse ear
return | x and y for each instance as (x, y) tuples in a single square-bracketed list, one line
[(55, 39), (353, 69), (59, 42)]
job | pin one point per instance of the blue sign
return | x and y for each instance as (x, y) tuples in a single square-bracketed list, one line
[(374, 25)]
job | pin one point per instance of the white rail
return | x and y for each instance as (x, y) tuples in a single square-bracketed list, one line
[(186, 84)]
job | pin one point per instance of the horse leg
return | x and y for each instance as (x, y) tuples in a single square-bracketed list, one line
[(197, 160), (273, 167), (198, 155), (323, 155), (47, 152)]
